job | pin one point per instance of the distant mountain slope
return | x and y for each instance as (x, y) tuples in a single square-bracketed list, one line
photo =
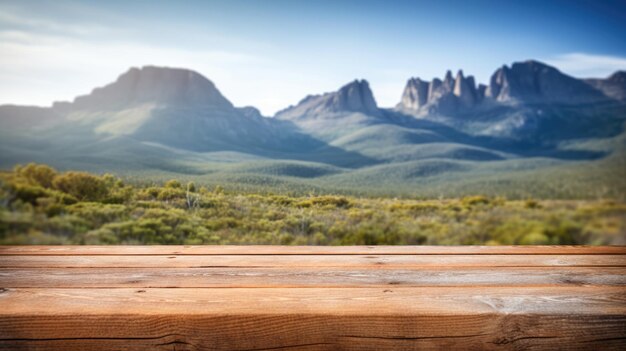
[(25, 118), (172, 107), (175, 107), (334, 114), (614, 86), (530, 127)]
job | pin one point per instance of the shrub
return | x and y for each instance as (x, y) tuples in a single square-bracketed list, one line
[(27, 193), (330, 201), (41, 175), (96, 213), (475, 200), (81, 185), (170, 193), (173, 183), (530, 203), (80, 208)]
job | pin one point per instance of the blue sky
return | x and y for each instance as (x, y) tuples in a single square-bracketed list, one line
[(272, 53)]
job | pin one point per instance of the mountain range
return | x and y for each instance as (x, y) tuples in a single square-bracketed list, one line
[(532, 131)]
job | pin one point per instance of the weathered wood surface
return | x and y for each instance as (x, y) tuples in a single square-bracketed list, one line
[(312, 298), (74, 250), (259, 261)]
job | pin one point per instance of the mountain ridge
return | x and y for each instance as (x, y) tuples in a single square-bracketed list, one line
[(523, 83), (156, 119)]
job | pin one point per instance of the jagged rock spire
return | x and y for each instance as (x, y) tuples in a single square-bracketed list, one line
[(415, 94), (355, 96), (439, 95), (465, 89)]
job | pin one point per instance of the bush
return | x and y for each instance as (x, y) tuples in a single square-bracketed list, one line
[(28, 193), (530, 203), (475, 200), (170, 193), (35, 174), (174, 184), (327, 201), (96, 213), (81, 185)]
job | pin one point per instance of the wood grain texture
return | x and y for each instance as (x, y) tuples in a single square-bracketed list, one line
[(74, 250), (364, 301), (312, 298), (248, 261), (314, 332), (307, 277)]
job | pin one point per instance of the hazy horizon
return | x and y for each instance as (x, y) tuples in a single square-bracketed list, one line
[(56, 50)]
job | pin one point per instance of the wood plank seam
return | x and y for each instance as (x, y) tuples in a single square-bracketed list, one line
[(312, 298)]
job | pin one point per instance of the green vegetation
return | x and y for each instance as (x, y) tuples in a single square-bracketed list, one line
[(39, 205)]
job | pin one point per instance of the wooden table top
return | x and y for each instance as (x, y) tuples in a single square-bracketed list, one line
[(312, 298)]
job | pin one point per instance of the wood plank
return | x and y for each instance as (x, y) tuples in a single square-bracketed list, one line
[(307, 332), (310, 250), (305, 277), (313, 332), (380, 261), (339, 301), (314, 319), (321, 299)]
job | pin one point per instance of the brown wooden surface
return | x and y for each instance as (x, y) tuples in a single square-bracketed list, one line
[(74, 250), (312, 298), (260, 261)]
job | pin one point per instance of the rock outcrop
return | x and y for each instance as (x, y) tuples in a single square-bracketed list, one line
[(465, 90), (529, 82), (149, 84), (614, 86), (355, 96), (415, 94), (535, 82), (446, 96)]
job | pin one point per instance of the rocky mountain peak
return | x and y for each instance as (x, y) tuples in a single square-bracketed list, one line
[(618, 77), (448, 82), (415, 94), (465, 89), (535, 82), (158, 85), (527, 82), (445, 95), (355, 96), (613, 86)]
